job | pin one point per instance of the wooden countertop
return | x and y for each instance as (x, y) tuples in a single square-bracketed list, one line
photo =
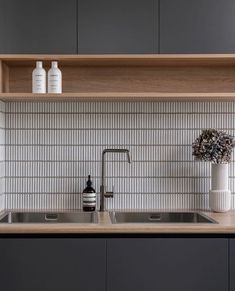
[(225, 225)]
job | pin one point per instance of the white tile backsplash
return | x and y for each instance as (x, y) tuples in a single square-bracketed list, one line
[(52, 146), (2, 155)]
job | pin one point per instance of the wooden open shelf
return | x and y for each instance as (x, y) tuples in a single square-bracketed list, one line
[(121, 96), (124, 77)]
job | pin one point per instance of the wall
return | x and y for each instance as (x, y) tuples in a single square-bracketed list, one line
[(2, 155), (52, 147)]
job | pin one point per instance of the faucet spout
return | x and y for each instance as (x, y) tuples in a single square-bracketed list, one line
[(103, 192), (128, 157)]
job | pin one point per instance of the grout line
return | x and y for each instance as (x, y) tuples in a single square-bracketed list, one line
[(10, 129), (108, 177), (117, 113), (96, 145), (120, 193), (97, 161), (94, 161)]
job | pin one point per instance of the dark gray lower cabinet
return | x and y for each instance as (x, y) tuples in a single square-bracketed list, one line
[(116, 264), (179, 264), (232, 264), (67, 264)]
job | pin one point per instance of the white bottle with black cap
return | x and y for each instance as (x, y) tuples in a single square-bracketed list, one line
[(89, 196), (54, 79), (39, 79)]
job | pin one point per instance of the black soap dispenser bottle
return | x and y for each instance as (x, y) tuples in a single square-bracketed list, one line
[(89, 196)]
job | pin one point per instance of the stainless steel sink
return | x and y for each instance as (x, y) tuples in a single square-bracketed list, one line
[(159, 217), (50, 217)]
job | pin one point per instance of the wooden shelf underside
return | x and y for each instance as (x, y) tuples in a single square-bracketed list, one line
[(119, 96), (124, 59)]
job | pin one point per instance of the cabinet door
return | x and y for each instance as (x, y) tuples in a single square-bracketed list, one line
[(232, 265), (167, 264), (123, 26), (52, 264), (189, 26), (30, 26)]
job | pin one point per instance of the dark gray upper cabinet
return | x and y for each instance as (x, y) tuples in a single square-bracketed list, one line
[(45, 26), (52, 264), (232, 264), (167, 264), (123, 26), (197, 26)]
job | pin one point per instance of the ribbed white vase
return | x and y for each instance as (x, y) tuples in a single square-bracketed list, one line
[(220, 195)]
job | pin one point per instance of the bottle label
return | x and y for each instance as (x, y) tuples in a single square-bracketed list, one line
[(89, 199), (89, 195), (93, 204), (54, 82), (39, 83)]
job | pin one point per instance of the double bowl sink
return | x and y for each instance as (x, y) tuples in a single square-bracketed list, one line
[(116, 217)]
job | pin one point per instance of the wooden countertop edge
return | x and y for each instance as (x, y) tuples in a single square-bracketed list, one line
[(114, 229), (67, 230), (225, 225)]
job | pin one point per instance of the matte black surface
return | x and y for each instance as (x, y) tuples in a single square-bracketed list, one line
[(232, 264), (123, 26), (167, 264), (52, 264), (45, 26), (201, 26)]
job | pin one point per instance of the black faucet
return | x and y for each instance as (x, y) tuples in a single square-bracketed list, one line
[(103, 192)]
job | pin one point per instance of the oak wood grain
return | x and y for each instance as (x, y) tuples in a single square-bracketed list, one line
[(5, 78), (119, 96), (1, 77), (133, 79), (124, 59), (225, 225), (125, 77)]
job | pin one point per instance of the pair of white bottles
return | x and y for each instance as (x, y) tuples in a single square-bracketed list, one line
[(54, 84)]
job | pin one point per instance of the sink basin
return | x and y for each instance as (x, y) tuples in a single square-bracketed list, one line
[(51, 217), (159, 217)]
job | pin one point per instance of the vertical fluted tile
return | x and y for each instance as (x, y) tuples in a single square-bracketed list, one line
[(3, 153), (52, 147)]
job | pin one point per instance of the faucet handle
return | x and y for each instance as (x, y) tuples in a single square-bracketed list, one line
[(109, 194)]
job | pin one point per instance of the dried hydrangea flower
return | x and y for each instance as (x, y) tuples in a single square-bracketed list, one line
[(213, 146)]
